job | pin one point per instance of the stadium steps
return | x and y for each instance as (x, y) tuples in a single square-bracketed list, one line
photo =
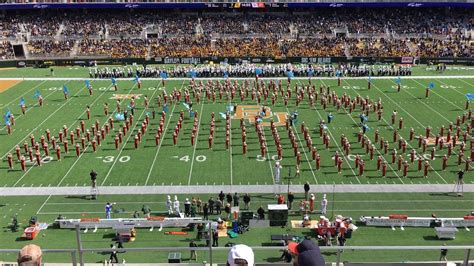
[(75, 49), (57, 36)]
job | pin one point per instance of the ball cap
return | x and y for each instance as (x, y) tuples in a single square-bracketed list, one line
[(240, 255), (308, 253)]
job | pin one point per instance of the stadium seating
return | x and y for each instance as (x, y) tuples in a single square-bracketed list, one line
[(379, 33)]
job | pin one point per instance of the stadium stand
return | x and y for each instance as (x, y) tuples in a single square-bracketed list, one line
[(379, 33)]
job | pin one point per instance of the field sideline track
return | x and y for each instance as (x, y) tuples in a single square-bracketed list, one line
[(111, 190)]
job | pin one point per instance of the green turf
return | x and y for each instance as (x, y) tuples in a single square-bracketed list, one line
[(81, 72), (348, 204), (186, 164)]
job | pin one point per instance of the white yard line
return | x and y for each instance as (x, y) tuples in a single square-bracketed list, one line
[(439, 95), (413, 119), (339, 201), (23, 95), (44, 203), (345, 110), (230, 148), (338, 210), (337, 145), (31, 108), (429, 107), (197, 140), (161, 142), (304, 150), (70, 126), (125, 143), (46, 119)]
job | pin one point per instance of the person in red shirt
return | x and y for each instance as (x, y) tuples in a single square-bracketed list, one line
[(58, 152), (445, 162), (46, 149), (83, 142), (18, 152), (23, 163), (400, 123), (88, 111), (244, 148), (94, 145), (71, 137), (106, 109), (384, 168), (136, 140), (78, 149), (157, 140), (38, 158), (339, 164), (405, 168), (10, 161), (426, 169), (97, 137), (211, 141)]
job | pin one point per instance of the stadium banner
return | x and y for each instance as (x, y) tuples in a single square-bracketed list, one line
[(227, 60)]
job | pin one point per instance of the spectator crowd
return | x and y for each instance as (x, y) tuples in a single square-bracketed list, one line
[(373, 32)]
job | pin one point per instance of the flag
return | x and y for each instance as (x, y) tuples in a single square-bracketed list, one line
[(37, 94), (431, 85), (114, 81), (163, 75), (186, 106), (137, 79), (223, 115), (338, 73), (258, 71), (65, 89), (470, 96), (22, 101), (88, 83), (226, 74), (310, 72), (290, 74), (370, 79), (6, 117), (398, 80)]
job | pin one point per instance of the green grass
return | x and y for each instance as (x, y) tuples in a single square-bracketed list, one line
[(348, 204), (187, 165)]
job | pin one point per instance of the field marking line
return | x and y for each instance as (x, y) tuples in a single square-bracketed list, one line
[(252, 78), (339, 201), (31, 108), (408, 143), (304, 150), (429, 107), (378, 151), (23, 95), (266, 145), (44, 203), (230, 146), (439, 95), (70, 126), (125, 143), (47, 118), (337, 143), (34, 129), (409, 114), (339, 210), (197, 140), (88, 145), (161, 142)]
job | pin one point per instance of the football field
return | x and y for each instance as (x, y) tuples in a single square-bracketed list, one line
[(185, 164)]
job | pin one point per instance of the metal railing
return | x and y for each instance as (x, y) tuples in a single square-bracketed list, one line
[(77, 255)]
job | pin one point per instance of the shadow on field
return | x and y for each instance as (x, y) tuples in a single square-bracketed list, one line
[(432, 238), (84, 197)]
